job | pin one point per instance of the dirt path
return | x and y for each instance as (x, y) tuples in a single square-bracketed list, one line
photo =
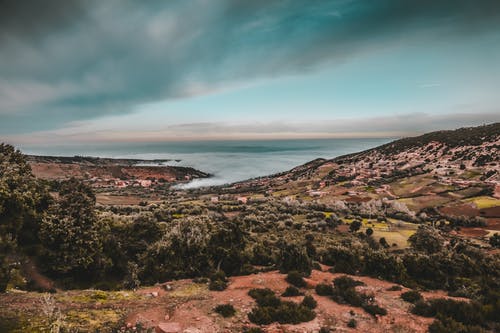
[(32, 274)]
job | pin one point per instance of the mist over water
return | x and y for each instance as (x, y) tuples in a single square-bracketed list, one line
[(227, 161)]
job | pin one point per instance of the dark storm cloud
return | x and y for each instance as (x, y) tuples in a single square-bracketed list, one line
[(69, 60), (33, 19)]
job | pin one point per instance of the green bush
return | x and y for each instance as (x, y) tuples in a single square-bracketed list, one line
[(344, 293), (324, 289), (291, 291), (446, 325), (271, 309), (345, 282), (462, 312), (225, 310), (411, 296), (309, 302), (218, 281), (349, 296), (294, 258), (284, 313), (257, 293), (296, 279), (374, 309), (264, 297), (217, 285), (352, 323)]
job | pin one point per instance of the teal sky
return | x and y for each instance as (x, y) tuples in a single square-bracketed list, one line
[(129, 71)]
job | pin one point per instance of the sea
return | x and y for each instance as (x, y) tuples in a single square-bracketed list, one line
[(226, 161)]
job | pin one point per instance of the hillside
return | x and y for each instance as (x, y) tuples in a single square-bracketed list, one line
[(453, 175), (399, 238)]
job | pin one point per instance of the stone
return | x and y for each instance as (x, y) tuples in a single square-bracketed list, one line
[(168, 328)]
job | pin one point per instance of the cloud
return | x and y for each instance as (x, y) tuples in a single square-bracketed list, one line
[(382, 127), (64, 61)]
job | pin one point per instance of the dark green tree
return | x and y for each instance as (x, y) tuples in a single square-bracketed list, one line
[(355, 226), (22, 202), (426, 239), (71, 233), (294, 258)]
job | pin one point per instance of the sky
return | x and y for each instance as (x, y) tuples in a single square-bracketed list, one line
[(138, 71)]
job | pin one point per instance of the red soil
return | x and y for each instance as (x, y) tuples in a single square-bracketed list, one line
[(195, 313)]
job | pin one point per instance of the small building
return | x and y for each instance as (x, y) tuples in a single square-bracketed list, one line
[(243, 200)]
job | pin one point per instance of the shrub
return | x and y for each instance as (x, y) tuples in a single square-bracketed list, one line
[(352, 323), (217, 285), (445, 325), (271, 309), (344, 293), (296, 279), (345, 282), (374, 309), (257, 293), (324, 330), (355, 226), (349, 296), (309, 302), (292, 313), (463, 312), (219, 275), (218, 281), (495, 240), (262, 315), (225, 310), (291, 291), (294, 258), (284, 313), (324, 289), (264, 297), (411, 296)]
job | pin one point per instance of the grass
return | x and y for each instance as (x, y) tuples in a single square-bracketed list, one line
[(36, 316), (407, 185), (90, 320), (190, 290), (483, 202), (93, 296)]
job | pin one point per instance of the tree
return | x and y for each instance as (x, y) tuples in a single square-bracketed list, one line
[(22, 201), (295, 258), (355, 226), (495, 240), (369, 232), (71, 234), (426, 239)]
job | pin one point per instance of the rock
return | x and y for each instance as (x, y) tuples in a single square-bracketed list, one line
[(167, 317), (168, 328), (154, 294)]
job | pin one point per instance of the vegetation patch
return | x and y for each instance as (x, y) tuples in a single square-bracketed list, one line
[(271, 309), (483, 202), (411, 296), (225, 310)]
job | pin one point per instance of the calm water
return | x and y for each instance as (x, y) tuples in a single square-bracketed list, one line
[(228, 161)]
